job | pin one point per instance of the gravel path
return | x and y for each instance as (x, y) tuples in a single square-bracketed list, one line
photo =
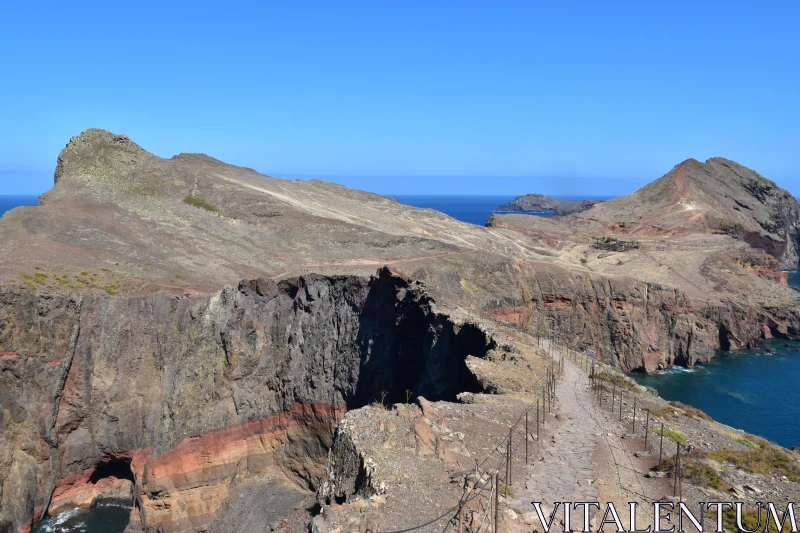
[(588, 455), (564, 469)]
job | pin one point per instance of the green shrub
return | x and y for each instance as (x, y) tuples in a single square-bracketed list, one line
[(671, 434), (505, 490), (198, 200)]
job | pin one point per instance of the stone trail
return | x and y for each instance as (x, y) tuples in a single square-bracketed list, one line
[(563, 471)]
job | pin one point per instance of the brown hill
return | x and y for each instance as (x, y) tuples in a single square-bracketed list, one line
[(718, 196)]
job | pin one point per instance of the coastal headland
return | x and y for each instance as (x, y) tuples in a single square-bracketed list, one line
[(223, 349)]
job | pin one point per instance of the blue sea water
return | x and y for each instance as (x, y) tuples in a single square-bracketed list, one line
[(475, 209), (754, 390), (10, 201), (101, 519)]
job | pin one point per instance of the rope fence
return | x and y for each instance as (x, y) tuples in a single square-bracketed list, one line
[(609, 394), (495, 481)]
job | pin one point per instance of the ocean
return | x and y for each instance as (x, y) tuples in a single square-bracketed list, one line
[(754, 390), (475, 209), (10, 201)]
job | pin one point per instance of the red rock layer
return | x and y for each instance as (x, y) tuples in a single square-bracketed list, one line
[(182, 489)]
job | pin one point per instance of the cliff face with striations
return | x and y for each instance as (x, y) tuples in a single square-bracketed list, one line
[(637, 325), (182, 395)]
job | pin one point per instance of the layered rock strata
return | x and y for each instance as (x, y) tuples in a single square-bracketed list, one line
[(180, 396)]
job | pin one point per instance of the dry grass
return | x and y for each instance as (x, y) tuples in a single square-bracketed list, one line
[(750, 520), (766, 460), (695, 470)]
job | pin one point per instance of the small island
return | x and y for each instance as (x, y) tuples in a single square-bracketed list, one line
[(536, 203)]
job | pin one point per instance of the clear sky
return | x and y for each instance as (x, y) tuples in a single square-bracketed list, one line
[(564, 97)]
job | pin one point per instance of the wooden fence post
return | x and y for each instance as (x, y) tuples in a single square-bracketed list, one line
[(510, 454), (646, 429), (613, 396), (661, 445), (634, 415), (680, 474), (496, 501), (526, 438)]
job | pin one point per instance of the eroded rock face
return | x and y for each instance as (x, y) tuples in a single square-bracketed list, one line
[(636, 325), (182, 395)]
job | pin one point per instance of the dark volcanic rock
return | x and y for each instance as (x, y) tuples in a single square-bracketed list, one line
[(539, 203), (181, 395)]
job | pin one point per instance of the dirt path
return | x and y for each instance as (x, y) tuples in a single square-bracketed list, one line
[(587, 456), (564, 471)]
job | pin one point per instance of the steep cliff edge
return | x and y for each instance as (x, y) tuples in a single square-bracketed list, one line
[(182, 395)]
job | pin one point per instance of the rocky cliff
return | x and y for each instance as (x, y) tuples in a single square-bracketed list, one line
[(636, 325), (182, 395)]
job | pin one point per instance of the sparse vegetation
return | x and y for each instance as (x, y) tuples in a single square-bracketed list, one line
[(381, 404), (612, 377), (767, 460), (749, 443), (675, 408), (750, 520), (505, 490), (671, 434), (694, 469), (198, 200), (613, 244)]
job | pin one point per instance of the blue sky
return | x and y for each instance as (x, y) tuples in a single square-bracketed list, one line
[(401, 97)]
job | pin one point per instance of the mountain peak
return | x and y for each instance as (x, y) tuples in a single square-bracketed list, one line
[(719, 196), (94, 149)]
